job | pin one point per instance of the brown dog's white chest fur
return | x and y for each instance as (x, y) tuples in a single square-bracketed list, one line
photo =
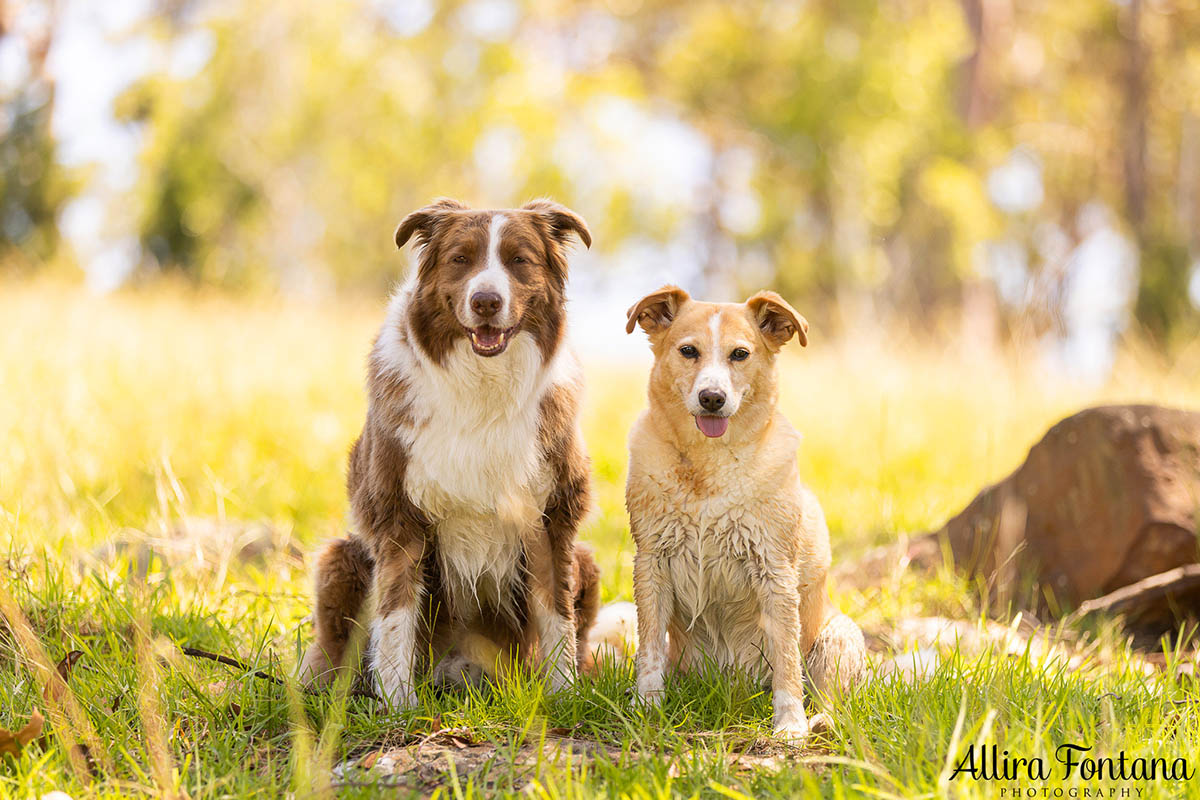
[(477, 466)]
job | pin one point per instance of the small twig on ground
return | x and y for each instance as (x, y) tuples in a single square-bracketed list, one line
[(194, 652)]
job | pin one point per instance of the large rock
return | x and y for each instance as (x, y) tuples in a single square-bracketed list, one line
[(1109, 496)]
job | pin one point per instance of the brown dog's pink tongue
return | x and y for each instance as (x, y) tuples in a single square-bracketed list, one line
[(712, 427)]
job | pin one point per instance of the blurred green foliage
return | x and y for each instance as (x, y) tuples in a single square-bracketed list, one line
[(845, 146), (33, 186)]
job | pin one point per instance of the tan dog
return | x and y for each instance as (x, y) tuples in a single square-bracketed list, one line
[(732, 549)]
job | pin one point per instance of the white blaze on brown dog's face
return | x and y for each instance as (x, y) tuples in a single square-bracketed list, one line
[(712, 360), (488, 275)]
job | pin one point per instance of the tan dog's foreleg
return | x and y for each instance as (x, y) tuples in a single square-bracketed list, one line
[(652, 592), (781, 629), (394, 635)]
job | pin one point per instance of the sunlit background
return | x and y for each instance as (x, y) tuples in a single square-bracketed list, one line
[(983, 170), (989, 210)]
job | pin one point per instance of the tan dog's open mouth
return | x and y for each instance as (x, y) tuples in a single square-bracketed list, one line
[(712, 426), (489, 341)]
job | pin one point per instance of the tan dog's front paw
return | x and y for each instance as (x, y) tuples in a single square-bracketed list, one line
[(791, 722), (793, 731)]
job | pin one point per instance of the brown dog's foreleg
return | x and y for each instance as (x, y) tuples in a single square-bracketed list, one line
[(552, 557), (394, 638), (552, 619), (343, 579)]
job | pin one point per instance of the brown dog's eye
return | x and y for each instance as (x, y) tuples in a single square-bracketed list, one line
[(460, 259), (518, 260), (740, 354), (688, 351)]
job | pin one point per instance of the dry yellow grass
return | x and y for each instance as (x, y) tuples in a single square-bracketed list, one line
[(122, 415), (125, 410)]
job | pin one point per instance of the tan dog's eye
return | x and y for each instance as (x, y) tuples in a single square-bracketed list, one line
[(689, 351), (740, 354), (518, 260), (460, 259)]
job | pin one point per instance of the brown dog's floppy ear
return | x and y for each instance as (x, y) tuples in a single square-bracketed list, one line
[(563, 221), (421, 221), (777, 320), (657, 310)]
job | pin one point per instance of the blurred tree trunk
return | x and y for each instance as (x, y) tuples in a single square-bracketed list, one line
[(1134, 122), (985, 19)]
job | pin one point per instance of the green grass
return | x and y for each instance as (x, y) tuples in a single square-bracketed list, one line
[(124, 419)]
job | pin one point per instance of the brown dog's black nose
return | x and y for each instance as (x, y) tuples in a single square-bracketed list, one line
[(711, 400), (486, 304)]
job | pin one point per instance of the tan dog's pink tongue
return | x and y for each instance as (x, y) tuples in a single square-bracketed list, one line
[(712, 427)]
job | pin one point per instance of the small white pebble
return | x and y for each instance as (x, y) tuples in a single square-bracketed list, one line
[(56, 795)]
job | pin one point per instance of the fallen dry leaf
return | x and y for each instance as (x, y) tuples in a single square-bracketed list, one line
[(56, 689), (12, 743)]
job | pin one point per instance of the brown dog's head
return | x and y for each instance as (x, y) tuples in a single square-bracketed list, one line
[(715, 360), (489, 275)]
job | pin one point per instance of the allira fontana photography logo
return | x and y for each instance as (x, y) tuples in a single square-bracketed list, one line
[(1115, 775)]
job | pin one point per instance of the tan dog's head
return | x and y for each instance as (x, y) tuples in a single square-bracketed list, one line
[(715, 361)]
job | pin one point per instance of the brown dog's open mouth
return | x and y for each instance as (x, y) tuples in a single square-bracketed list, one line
[(489, 341), (711, 425)]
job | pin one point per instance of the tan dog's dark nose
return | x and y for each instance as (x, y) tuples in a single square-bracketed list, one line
[(486, 304), (711, 400)]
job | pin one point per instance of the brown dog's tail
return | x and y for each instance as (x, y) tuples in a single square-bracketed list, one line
[(587, 599), (343, 581)]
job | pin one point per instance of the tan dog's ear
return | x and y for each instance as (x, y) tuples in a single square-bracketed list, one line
[(657, 310), (422, 220), (563, 221), (777, 320)]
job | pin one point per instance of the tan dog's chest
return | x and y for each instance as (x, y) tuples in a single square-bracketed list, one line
[(718, 549)]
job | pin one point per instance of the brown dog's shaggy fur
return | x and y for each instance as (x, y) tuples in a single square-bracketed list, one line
[(470, 479)]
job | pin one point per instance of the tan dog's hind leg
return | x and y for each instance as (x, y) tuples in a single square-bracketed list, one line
[(837, 659), (343, 579)]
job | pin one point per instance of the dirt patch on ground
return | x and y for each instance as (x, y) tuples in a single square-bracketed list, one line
[(427, 763)]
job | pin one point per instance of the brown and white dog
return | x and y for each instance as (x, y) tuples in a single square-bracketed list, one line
[(732, 549), (470, 479)]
